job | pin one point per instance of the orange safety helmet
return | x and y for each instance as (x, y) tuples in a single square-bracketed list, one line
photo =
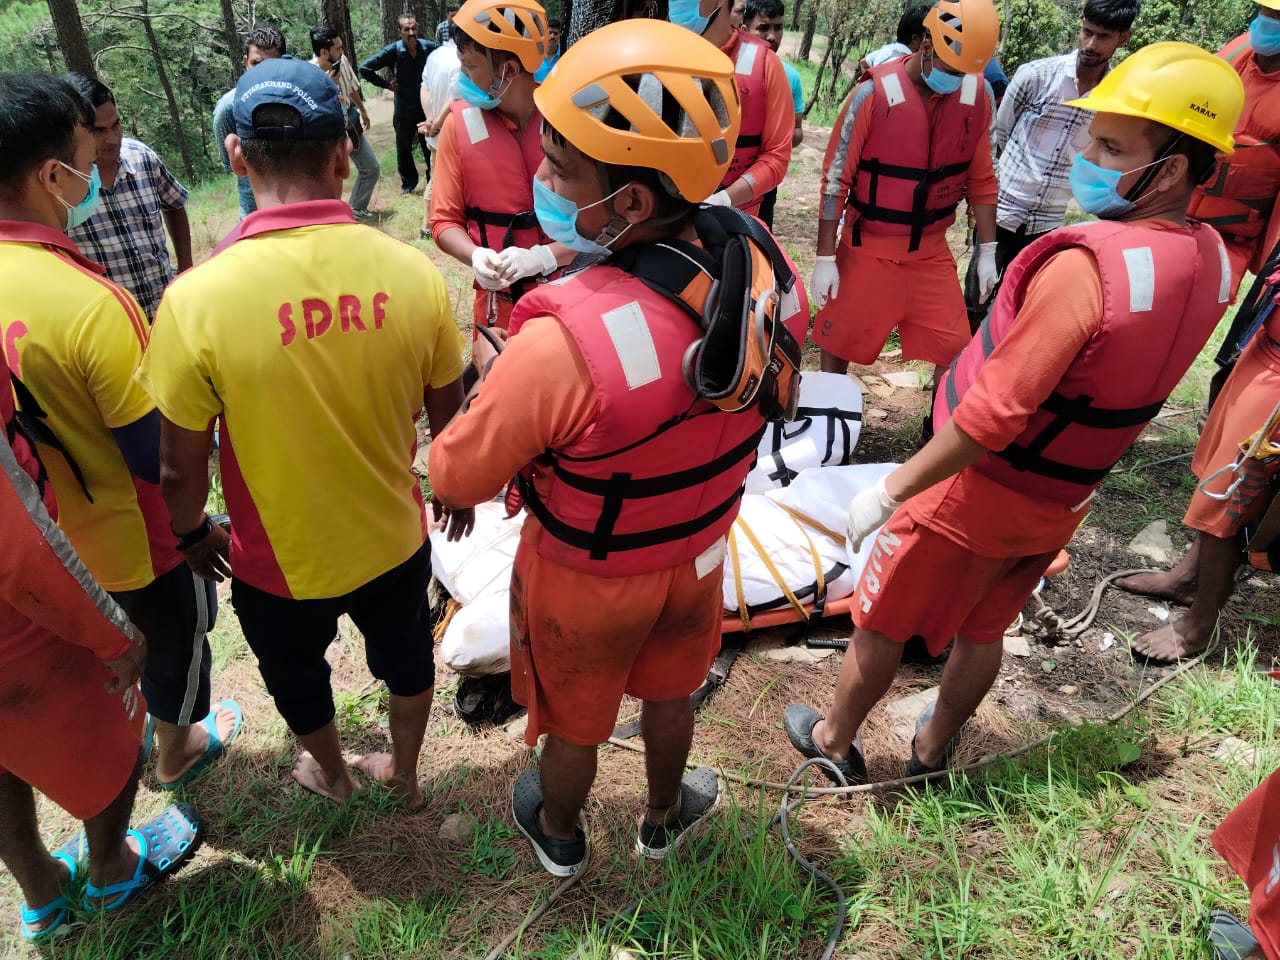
[(663, 63), (964, 33), (517, 26)]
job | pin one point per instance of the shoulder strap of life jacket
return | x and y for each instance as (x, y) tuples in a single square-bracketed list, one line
[(30, 418), (747, 357)]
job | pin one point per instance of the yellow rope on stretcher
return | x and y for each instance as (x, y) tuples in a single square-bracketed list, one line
[(808, 521), (737, 580), (819, 577)]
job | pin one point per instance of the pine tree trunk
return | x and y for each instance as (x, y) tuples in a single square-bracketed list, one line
[(232, 37), (162, 75), (337, 14), (796, 9), (422, 13), (75, 49), (810, 28), (389, 19)]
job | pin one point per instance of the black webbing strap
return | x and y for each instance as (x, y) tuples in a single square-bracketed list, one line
[(750, 140), (919, 216), (623, 486), (1068, 411), (804, 421), (30, 419), (600, 542), (1260, 292), (509, 221)]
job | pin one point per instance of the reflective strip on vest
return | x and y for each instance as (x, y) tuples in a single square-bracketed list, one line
[(629, 331), (1224, 284), (892, 88), (969, 89), (473, 120), (746, 59), (1141, 267)]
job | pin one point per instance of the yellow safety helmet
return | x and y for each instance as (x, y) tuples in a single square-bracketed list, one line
[(640, 69), (1269, 4), (1177, 84), (964, 33), (517, 26)]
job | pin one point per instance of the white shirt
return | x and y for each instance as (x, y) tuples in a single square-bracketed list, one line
[(890, 51), (440, 77)]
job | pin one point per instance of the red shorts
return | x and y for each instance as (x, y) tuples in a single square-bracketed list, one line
[(480, 311), (579, 642), (62, 733), (922, 298), (1249, 840), (1247, 399), (920, 583)]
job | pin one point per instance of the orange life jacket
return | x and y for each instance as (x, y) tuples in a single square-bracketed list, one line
[(748, 54), (914, 165), (1238, 199), (497, 177), (1163, 292), (658, 477)]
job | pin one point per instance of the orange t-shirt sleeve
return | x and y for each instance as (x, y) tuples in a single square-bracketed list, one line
[(840, 163), (1061, 311), (538, 396), (448, 209), (982, 186), (770, 165)]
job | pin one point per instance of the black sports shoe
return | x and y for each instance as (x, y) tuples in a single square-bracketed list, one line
[(699, 791), (799, 721), (560, 858)]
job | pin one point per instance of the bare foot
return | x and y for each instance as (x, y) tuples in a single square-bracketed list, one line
[(1163, 584), (311, 776), (170, 767), (120, 870), (829, 750), (1173, 641), (42, 894), (380, 767)]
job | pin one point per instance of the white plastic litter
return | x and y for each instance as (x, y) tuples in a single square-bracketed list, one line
[(1160, 613), (1108, 641)]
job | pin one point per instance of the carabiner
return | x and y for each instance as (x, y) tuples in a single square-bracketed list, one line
[(1233, 467)]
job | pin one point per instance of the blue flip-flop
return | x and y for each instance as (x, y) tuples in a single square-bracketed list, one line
[(164, 845), (215, 746), (57, 908)]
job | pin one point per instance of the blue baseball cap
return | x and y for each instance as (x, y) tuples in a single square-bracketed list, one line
[(292, 83)]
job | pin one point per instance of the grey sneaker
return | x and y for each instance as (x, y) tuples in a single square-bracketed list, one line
[(915, 766), (699, 792), (363, 214), (560, 858), (798, 721)]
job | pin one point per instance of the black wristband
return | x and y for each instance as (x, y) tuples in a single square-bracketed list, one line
[(188, 540)]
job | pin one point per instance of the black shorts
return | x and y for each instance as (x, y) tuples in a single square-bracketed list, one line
[(175, 612), (289, 637)]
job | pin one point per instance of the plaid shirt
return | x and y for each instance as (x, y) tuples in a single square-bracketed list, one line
[(126, 234), (1038, 138)]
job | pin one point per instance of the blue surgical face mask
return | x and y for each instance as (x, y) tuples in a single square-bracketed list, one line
[(1264, 36), (1097, 189), (688, 14), (558, 217), (85, 209), (939, 81), (472, 94)]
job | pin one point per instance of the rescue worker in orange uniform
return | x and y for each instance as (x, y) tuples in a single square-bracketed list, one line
[(910, 143), (763, 150), (487, 153), (616, 586), (1240, 200), (1093, 327)]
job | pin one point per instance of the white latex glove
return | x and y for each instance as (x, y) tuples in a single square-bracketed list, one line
[(824, 283), (518, 262), (487, 268), (868, 511), (987, 272), (719, 199)]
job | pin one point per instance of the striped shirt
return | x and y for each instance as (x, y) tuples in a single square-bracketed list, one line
[(126, 234), (1038, 138)]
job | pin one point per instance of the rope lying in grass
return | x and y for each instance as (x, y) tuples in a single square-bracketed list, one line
[(1079, 622)]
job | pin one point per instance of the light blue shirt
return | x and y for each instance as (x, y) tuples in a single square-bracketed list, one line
[(797, 89)]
